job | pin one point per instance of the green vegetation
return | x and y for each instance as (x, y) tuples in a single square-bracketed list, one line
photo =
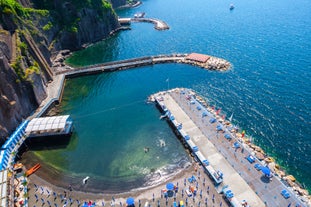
[(13, 7), (23, 48), (17, 66), (48, 26), (35, 68), (107, 5), (74, 29)]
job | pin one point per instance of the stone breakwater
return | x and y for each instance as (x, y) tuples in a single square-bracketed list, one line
[(213, 63), (258, 152), (195, 59)]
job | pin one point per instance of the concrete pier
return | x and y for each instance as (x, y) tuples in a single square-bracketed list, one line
[(158, 24), (189, 117), (195, 59)]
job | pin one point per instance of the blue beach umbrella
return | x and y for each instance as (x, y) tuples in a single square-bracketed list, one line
[(236, 145), (266, 171), (130, 201), (227, 136), (170, 186)]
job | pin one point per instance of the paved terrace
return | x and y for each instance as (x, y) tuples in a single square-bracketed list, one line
[(240, 175)]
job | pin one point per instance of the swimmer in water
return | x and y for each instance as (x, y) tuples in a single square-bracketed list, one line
[(85, 180)]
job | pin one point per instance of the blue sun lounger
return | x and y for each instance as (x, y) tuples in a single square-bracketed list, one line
[(285, 194), (257, 166), (250, 159)]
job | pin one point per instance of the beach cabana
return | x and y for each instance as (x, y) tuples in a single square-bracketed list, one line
[(204, 114), (130, 201)]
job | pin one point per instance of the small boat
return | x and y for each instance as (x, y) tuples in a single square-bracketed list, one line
[(33, 169), (139, 15), (231, 7)]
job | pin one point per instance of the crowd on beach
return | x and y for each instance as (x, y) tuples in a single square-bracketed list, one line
[(192, 188)]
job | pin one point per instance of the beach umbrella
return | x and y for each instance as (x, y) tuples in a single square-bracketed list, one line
[(170, 186), (227, 136), (187, 137), (236, 145), (266, 171), (130, 201)]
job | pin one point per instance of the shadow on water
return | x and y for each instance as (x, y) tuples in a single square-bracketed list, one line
[(47, 143)]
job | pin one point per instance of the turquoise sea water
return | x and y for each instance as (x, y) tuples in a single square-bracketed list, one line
[(268, 90)]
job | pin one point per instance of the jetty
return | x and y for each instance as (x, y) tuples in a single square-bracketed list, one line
[(158, 24), (216, 144), (200, 60)]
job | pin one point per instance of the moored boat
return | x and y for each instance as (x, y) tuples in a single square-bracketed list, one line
[(139, 15), (231, 7), (33, 169)]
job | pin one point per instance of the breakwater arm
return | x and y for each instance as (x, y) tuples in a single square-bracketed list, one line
[(195, 59)]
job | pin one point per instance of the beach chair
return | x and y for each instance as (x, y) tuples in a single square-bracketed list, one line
[(285, 194), (257, 166), (250, 159)]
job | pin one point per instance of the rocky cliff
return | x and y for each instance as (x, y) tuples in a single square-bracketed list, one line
[(31, 32)]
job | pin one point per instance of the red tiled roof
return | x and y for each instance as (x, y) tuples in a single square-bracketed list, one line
[(198, 57)]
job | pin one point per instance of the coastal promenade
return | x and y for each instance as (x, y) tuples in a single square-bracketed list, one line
[(245, 181)]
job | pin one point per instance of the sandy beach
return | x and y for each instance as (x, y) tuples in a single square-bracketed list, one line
[(43, 193)]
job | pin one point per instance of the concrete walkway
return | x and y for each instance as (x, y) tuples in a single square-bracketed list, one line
[(240, 175)]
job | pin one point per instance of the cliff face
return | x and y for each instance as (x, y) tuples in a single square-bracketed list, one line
[(91, 27), (18, 98), (117, 3), (28, 40), (74, 23)]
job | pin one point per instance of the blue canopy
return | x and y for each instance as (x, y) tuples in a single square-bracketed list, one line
[(204, 113), (199, 108), (130, 201), (195, 149), (212, 120), (205, 162), (266, 171), (227, 136), (170, 186), (187, 137), (236, 144)]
